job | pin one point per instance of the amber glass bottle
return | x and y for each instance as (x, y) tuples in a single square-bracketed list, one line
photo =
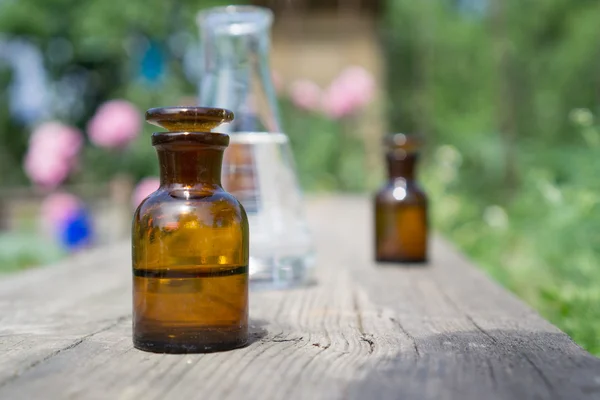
[(190, 242), (401, 206)]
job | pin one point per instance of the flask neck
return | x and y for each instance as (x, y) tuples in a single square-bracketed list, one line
[(189, 166), (401, 164), (224, 49), (236, 74)]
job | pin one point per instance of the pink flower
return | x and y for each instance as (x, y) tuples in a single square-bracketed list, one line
[(306, 95), (45, 170), (351, 91), (58, 208), (145, 188), (52, 153), (57, 137), (115, 124)]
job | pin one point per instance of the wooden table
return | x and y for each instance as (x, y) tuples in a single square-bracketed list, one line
[(444, 331)]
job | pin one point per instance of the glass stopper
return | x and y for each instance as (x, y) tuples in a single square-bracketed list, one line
[(188, 119)]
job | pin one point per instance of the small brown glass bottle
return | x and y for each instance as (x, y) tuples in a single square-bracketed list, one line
[(190, 242), (401, 206)]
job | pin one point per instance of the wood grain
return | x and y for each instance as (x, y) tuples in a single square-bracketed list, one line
[(442, 331)]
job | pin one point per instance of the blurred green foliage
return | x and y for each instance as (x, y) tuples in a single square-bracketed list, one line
[(329, 154), (92, 51), (96, 48), (95, 51), (101, 45), (24, 250), (505, 97)]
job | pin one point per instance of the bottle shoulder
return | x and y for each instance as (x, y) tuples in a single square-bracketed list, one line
[(169, 205)]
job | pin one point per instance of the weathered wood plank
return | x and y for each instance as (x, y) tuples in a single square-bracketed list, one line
[(444, 331), (44, 311), (474, 339)]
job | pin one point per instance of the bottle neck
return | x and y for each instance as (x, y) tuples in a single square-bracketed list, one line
[(189, 167), (401, 165)]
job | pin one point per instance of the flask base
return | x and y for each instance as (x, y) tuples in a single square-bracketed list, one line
[(281, 272)]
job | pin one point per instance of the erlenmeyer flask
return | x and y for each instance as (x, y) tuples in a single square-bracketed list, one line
[(258, 166)]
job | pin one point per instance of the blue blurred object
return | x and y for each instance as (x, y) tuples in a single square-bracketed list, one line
[(152, 64), (77, 231), (29, 87)]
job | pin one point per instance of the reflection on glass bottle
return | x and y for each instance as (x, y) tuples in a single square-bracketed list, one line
[(258, 166), (401, 206), (190, 243)]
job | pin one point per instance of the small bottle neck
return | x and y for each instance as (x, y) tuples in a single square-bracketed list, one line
[(189, 167), (401, 164)]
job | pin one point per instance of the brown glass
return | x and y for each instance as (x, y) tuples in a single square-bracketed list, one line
[(401, 206), (190, 243)]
